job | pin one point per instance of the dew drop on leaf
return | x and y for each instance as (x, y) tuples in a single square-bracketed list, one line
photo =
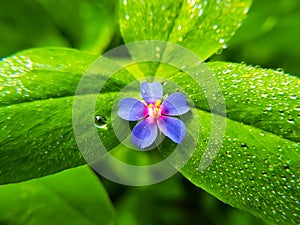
[(293, 96), (291, 120), (100, 122), (222, 40)]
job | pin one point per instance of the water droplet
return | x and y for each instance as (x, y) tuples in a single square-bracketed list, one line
[(127, 17), (244, 145), (222, 40), (291, 120), (280, 70), (293, 96), (246, 10), (179, 27), (183, 67), (215, 27), (269, 108), (200, 13), (100, 122)]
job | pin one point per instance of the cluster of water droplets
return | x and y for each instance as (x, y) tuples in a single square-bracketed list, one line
[(258, 165), (197, 7), (254, 174), (11, 70), (183, 20), (263, 98), (202, 18)]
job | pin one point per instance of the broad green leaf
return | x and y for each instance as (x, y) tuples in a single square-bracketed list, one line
[(41, 74), (202, 26), (262, 98), (37, 89), (255, 171), (257, 168), (72, 197)]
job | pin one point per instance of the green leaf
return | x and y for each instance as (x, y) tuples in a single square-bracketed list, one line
[(202, 26), (257, 167), (73, 196), (262, 98), (40, 74), (37, 89)]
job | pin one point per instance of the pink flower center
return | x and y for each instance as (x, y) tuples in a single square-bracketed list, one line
[(154, 111)]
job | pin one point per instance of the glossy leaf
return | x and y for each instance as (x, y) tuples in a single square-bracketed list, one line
[(263, 98), (257, 168), (37, 89), (202, 26), (73, 196)]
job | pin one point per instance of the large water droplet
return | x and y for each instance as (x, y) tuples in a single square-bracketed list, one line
[(100, 122)]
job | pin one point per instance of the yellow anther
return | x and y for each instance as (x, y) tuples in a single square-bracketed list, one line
[(156, 109), (157, 103), (150, 105)]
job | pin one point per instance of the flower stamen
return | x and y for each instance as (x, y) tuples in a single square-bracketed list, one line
[(157, 103), (154, 110)]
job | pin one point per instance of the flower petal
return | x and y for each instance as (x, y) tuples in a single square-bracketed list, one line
[(151, 91), (144, 133), (132, 109), (174, 105), (172, 127)]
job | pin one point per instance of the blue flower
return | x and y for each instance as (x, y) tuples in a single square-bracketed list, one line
[(153, 114)]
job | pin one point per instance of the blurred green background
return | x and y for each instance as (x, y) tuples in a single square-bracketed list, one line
[(269, 38)]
